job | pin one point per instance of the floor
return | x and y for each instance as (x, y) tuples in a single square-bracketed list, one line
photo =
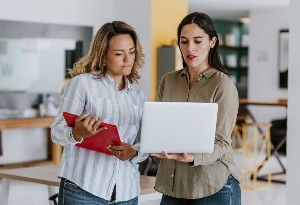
[(22, 193)]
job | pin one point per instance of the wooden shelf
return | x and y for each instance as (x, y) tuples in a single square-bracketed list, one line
[(27, 164), (42, 122), (55, 150), (275, 102)]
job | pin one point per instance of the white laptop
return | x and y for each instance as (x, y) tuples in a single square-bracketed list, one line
[(178, 127)]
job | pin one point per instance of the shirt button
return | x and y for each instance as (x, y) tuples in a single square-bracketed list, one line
[(172, 175)]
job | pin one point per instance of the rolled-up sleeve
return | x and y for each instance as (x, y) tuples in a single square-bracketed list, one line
[(72, 100)]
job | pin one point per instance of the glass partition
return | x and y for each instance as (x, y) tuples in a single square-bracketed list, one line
[(33, 64)]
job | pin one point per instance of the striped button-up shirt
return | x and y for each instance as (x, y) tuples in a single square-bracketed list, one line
[(93, 171)]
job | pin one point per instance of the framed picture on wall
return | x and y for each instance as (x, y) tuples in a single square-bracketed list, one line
[(283, 58)]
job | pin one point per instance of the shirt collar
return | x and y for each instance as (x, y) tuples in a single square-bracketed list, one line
[(207, 73), (107, 80)]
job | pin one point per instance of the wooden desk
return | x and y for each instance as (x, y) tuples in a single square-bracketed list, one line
[(280, 102), (39, 122), (43, 122), (244, 102), (47, 175)]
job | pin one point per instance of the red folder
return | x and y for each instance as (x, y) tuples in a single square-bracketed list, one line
[(100, 141)]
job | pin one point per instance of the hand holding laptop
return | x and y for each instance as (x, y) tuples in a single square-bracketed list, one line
[(184, 157)]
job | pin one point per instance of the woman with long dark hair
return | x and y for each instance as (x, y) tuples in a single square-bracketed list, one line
[(201, 178)]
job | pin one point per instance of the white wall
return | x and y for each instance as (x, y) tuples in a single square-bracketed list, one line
[(263, 72), (73, 12), (138, 15), (293, 143)]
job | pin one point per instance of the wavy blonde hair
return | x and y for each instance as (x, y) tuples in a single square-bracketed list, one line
[(94, 60)]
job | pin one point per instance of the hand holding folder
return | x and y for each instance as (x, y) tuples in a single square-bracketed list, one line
[(100, 141)]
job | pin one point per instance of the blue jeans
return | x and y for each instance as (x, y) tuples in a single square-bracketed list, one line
[(230, 194), (71, 194)]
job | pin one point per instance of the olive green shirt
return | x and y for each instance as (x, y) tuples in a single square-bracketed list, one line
[(209, 172)]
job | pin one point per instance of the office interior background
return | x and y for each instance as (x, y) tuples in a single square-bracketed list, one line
[(156, 22)]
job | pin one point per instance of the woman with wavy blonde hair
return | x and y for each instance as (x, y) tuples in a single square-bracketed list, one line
[(94, 60), (101, 89)]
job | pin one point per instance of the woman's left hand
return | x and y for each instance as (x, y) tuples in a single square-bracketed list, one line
[(184, 157), (123, 152)]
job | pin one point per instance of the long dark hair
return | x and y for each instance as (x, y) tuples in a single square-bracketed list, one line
[(205, 23)]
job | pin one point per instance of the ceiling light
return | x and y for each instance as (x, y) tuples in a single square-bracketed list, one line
[(245, 20)]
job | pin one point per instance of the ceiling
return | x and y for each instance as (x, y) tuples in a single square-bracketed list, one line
[(233, 9)]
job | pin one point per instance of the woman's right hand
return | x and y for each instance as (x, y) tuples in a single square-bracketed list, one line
[(85, 126), (183, 157)]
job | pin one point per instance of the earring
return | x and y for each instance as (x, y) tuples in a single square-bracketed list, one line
[(104, 64)]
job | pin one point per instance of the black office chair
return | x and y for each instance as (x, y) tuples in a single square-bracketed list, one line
[(53, 198), (278, 141), (149, 167), (278, 135)]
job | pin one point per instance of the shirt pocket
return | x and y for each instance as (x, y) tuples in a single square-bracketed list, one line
[(201, 99), (135, 114), (101, 107), (131, 121)]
